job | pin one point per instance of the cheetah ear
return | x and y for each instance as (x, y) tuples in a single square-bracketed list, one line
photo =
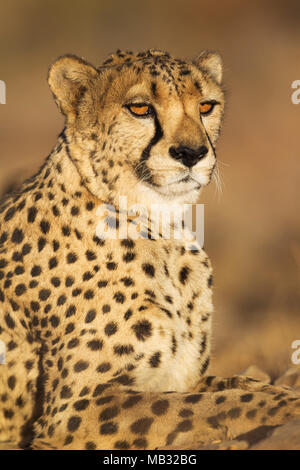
[(211, 61), (69, 78)]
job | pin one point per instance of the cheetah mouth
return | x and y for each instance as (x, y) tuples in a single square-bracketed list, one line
[(179, 186), (188, 177)]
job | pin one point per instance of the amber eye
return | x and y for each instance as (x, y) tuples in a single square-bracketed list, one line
[(206, 108), (140, 109)]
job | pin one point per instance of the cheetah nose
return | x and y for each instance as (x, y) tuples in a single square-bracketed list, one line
[(188, 156)]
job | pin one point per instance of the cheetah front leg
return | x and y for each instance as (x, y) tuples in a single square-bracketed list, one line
[(124, 419)]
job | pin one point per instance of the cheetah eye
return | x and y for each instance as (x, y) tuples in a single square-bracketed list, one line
[(140, 109), (207, 107)]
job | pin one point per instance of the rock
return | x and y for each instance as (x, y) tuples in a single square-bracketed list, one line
[(256, 373), (291, 378), (285, 437)]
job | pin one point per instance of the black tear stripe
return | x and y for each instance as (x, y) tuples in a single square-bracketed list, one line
[(214, 152), (142, 170), (210, 142)]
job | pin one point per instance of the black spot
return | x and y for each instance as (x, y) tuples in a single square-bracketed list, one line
[(234, 413), (66, 392), (102, 284), (66, 231), (3, 263), (119, 297), (246, 397), (62, 298), (81, 405), (17, 236), (95, 345), (142, 330), (127, 243), (9, 214), (128, 314), (122, 445), (154, 360), (45, 226), (111, 266), (20, 289), (108, 428), (76, 292), (90, 255), (184, 426), (31, 215), (70, 311), (55, 281), (73, 343), (195, 398), (141, 426), (75, 210), (111, 328), (44, 294), (11, 382), (90, 445), (220, 399), (8, 414), (74, 423), (251, 414), (36, 271), (122, 349), (71, 258), (35, 306), (80, 366), (148, 269), (91, 315), (127, 281), (183, 274), (89, 294), (185, 413), (41, 243), (55, 245), (53, 263), (204, 366), (54, 320), (69, 281), (89, 206), (104, 367), (132, 401), (106, 308), (68, 440), (128, 257), (109, 413), (140, 443), (160, 407)]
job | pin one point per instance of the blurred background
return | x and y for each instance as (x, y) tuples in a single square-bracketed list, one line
[(252, 231)]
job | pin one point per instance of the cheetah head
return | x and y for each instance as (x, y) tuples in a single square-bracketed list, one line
[(141, 125)]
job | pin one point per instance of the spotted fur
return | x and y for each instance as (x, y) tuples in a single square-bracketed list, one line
[(108, 339)]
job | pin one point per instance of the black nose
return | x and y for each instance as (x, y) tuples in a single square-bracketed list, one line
[(188, 156)]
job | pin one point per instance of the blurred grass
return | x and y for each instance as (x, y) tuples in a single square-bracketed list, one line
[(252, 231)]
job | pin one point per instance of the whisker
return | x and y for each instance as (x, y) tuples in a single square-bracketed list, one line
[(218, 181)]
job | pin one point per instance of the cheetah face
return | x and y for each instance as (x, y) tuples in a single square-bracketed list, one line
[(145, 121)]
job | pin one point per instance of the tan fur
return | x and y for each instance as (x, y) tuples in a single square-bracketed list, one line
[(98, 331)]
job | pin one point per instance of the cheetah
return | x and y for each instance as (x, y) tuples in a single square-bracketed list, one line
[(108, 339)]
